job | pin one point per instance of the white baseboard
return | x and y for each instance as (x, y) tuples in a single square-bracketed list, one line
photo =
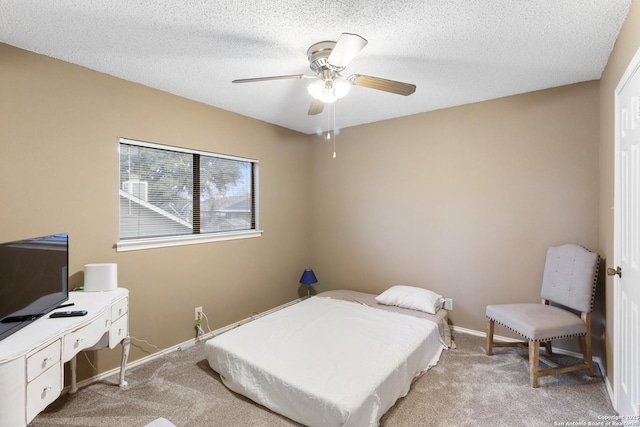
[(182, 346), (612, 395)]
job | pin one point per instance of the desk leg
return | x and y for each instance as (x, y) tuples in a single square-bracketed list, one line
[(125, 355), (74, 384)]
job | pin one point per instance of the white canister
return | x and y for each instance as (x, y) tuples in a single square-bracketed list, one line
[(100, 277)]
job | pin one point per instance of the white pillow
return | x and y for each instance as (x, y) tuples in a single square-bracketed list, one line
[(411, 297)]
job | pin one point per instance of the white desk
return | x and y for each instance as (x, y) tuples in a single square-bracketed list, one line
[(32, 359)]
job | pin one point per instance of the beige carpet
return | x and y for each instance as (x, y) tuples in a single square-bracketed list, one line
[(466, 388)]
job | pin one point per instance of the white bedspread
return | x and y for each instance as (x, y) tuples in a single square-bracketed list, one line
[(325, 362)]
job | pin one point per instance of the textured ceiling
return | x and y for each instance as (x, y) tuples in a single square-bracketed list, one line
[(455, 51)]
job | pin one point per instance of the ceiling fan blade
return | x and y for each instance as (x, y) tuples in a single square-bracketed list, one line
[(392, 86), (346, 49), (264, 79), (316, 107)]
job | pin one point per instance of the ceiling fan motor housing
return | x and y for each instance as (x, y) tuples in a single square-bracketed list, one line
[(318, 54)]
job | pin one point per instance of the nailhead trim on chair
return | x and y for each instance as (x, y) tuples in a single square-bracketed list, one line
[(559, 337), (595, 279), (595, 282)]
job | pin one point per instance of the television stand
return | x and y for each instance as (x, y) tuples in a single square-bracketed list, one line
[(32, 359)]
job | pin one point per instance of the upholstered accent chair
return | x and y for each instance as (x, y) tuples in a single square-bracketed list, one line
[(569, 281)]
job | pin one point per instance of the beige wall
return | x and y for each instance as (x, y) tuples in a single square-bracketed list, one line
[(625, 48), (59, 130), (464, 201)]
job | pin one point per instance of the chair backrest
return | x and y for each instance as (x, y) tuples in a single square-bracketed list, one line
[(570, 274)]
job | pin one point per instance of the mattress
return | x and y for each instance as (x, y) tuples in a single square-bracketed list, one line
[(327, 362), (441, 317)]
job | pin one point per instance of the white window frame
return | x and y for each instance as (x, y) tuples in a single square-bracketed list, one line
[(191, 239)]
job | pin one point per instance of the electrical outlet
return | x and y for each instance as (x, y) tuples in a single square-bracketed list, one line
[(448, 304), (198, 313)]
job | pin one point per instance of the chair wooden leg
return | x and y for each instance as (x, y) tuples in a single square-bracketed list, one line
[(585, 342), (547, 346), (490, 327), (534, 354)]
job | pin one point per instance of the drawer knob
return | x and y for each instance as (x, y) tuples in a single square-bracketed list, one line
[(45, 391), (46, 361)]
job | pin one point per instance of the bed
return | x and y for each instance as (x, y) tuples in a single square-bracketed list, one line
[(336, 359)]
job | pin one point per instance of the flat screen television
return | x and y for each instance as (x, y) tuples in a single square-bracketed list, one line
[(33, 280)]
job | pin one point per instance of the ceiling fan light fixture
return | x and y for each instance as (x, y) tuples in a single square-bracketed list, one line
[(329, 90), (322, 90)]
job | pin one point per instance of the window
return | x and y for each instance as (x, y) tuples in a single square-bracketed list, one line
[(171, 196)]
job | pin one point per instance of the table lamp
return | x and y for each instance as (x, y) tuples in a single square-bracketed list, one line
[(308, 279)]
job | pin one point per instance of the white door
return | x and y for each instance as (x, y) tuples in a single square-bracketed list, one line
[(627, 243)]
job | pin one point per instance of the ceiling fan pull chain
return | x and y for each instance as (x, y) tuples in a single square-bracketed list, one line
[(328, 125), (334, 130)]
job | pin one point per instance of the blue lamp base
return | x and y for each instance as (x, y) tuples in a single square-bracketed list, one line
[(308, 278)]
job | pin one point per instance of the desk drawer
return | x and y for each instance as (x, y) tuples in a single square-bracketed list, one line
[(119, 331), (85, 337), (43, 359), (43, 390), (119, 309)]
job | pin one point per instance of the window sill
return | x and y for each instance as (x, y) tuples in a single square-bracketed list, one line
[(193, 239)]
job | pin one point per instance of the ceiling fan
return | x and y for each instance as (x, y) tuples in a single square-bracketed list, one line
[(328, 59)]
